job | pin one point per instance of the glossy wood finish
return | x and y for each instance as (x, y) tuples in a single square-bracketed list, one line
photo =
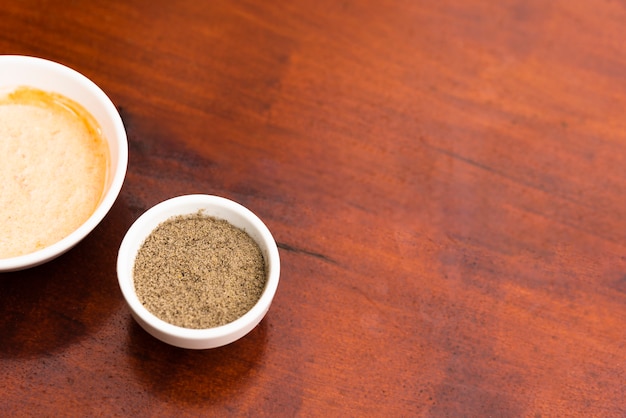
[(445, 180)]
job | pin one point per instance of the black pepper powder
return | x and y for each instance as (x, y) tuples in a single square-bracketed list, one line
[(196, 271)]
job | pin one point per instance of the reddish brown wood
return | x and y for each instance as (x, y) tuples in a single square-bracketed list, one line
[(445, 179)]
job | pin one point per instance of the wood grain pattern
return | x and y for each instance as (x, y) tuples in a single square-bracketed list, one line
[(445, 180)]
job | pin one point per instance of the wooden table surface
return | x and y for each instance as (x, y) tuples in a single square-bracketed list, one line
[(446, 182)]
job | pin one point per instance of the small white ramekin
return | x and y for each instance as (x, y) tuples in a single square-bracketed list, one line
[(217, 207), (17, 71)]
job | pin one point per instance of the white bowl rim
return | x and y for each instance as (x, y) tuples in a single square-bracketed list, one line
[(187, 337), (52, 251)]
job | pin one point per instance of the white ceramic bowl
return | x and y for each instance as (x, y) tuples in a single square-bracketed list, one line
[(16, 71), (217, 207)]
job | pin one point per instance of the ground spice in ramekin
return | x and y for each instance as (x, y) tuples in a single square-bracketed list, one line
[(196, 271)]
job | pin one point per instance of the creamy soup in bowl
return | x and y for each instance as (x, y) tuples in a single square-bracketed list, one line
[(65, 156)]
